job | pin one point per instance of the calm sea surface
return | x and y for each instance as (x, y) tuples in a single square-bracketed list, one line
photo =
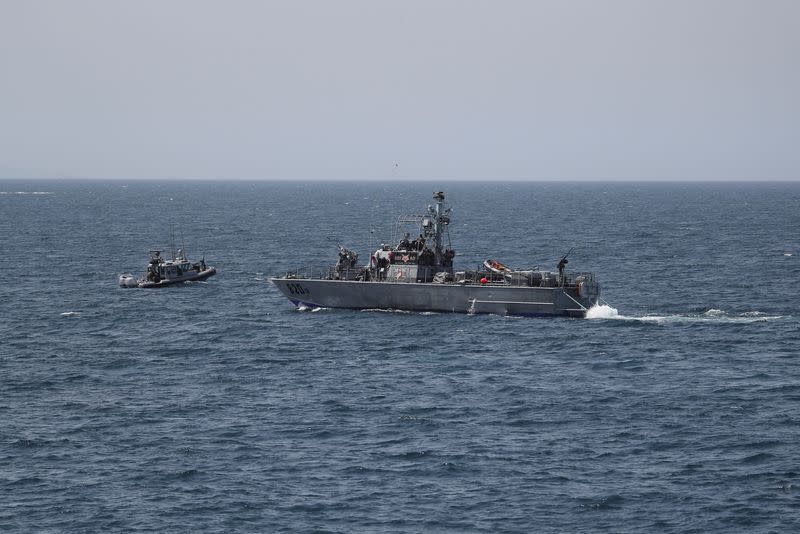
[(219, 407)]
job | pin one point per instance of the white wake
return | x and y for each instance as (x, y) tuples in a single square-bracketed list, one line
[(711, 316)]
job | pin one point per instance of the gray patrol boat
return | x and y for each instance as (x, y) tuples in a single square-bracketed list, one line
[(418, 275), (162, 272)]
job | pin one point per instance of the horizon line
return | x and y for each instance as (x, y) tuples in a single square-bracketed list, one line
[(404, 179)]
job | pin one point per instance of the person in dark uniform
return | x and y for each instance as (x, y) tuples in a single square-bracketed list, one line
[(561, 265)]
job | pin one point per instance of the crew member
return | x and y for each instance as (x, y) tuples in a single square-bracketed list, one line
[(561, 265)]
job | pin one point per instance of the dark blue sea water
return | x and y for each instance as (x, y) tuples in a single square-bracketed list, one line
[(219, 407)]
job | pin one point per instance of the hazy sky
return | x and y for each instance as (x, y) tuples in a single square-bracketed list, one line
[(556, 89)]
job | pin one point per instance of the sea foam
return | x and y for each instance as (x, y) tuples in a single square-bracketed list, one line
[(603, 311)]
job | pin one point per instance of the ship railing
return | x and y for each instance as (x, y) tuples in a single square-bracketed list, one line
[(304, 272), (347, 273), (325, 273), (543, 279)]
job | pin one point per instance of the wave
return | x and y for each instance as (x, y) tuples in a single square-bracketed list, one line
[(26, 192), (710, 316), (604, 311), (312, 309), (386, 310)]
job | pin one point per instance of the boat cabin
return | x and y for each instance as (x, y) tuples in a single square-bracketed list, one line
[(166, 270)]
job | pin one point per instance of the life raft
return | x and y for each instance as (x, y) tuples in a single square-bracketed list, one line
[(496, 267)]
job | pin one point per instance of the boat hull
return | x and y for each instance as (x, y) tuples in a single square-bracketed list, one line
[(189, 277), (498, 299)]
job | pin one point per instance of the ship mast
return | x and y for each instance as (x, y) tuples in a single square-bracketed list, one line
[(440, 221)]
